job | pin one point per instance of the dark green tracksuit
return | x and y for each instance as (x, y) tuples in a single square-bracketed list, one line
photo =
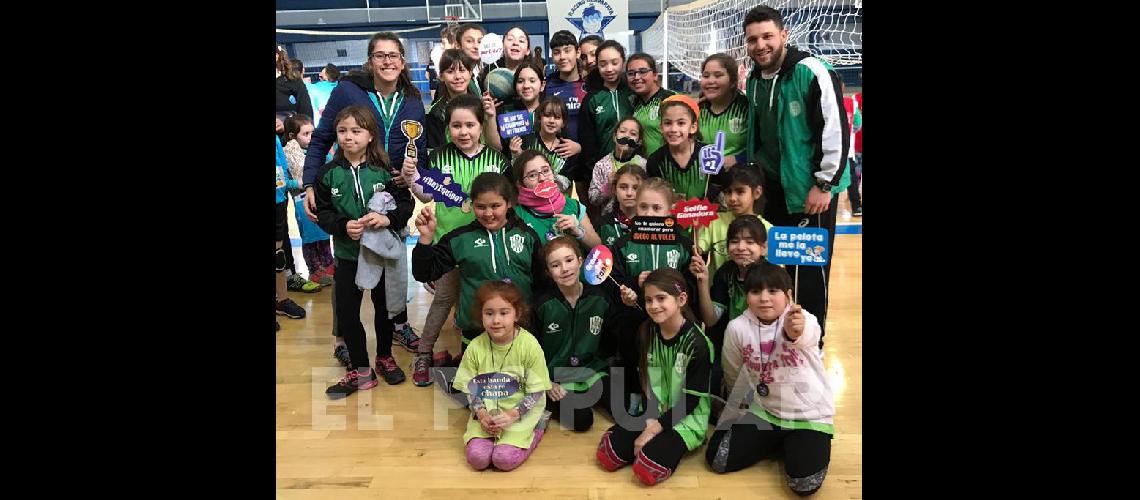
[(341, 193), (511, 253)]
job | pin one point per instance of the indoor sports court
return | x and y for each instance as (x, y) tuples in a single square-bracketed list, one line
[(405, 442)]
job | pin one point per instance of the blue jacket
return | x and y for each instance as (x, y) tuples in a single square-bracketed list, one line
[(284, 180), (355, 89)]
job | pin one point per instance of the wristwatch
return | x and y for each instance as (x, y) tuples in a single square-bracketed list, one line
[(823, 186)]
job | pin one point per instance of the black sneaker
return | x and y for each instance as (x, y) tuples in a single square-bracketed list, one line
[(341, 355), (387, 367), (857, 212), (289, 308), (354, 380)]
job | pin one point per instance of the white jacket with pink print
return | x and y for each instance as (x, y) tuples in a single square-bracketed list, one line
[(799, 395)]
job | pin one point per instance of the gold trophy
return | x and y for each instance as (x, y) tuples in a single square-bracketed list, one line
[(412, 130)]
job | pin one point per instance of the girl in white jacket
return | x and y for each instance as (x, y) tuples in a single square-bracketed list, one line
[(772, 362)]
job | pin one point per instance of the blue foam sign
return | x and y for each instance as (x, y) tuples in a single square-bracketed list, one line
[(712, 156), (798, 246), (514, 124), (493, 386), (441, 187)]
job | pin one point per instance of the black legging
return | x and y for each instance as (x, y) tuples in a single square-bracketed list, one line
[(750, 439), (658, 458), (348, 315)]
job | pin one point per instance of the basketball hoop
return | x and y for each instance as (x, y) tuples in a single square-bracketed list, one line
[(451, 19)]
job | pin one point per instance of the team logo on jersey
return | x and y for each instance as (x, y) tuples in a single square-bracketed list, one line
[(609, 240), (517, 243), (736, 125), (653, 113), (794, 108), (379, 186), (448, 170), (595, 325), (598, 111), (480, 243), (553, 328), (336, 191), (631, 257), (672, 256), (679, 366)]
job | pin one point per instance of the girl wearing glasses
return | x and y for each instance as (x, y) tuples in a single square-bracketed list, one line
[(384, 87), (550, 140), (641, 72), (546, 210)]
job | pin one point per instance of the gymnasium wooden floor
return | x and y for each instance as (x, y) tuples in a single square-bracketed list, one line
[(384, 442)]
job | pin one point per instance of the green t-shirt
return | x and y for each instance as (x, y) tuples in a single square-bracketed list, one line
[(648, 114), (733, 121), (463, 169), (716, 237), (507, 373)]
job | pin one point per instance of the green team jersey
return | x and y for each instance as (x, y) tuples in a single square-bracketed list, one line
[(679, 368), (687, 180), (602, 109), (463, 170), (571, 336), (716, 237), (632, 258), (647, 113), (733, 121), (509, 254), (505, 374), (543, 224), (727, 294)]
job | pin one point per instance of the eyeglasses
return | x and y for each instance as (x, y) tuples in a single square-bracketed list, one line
[(536, 176), (386, 56), (638, 72)]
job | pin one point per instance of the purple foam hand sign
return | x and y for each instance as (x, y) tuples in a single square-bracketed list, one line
[(712, 155), (441, 187)]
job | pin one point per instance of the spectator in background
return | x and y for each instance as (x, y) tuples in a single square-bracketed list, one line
[(298, 69), (292, 96), (855, 122), (857, 181), (330, 73)]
